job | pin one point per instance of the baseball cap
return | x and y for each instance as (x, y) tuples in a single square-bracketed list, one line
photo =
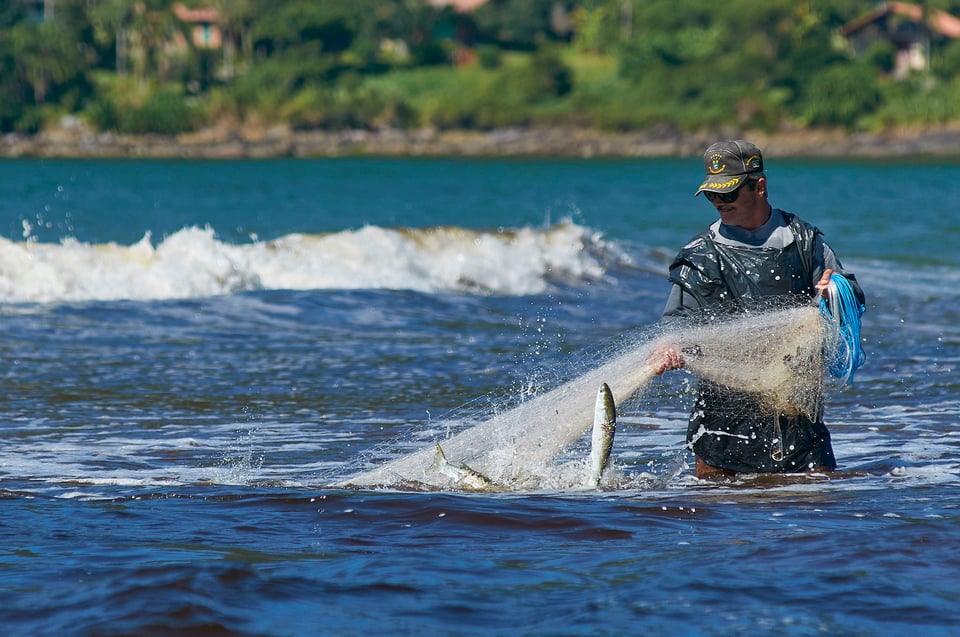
[(730, 164)]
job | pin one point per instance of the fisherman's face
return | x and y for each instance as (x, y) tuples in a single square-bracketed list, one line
[(749, 209)]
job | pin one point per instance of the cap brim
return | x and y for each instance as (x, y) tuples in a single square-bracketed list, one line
[(723, 183)]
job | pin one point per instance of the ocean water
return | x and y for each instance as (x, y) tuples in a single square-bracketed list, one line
[(198, 357)]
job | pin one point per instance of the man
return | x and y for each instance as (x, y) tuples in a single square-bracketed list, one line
[(752, 252)]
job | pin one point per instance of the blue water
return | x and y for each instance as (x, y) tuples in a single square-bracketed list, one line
[(193, 352)]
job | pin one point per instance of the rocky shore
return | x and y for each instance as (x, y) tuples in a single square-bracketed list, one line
[(75, 140)]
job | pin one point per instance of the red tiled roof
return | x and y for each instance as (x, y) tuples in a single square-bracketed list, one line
[(940, 21), (463, 6), (202, 16)]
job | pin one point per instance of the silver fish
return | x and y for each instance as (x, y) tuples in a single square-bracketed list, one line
[(604, 428), (462, 475)]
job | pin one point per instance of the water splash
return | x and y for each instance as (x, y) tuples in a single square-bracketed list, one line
[(517, 448)]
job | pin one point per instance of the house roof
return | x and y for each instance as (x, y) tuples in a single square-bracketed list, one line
[(462, 6), (937, 20), (199, 16)]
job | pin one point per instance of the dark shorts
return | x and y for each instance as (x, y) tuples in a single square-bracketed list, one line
[(733, 432)]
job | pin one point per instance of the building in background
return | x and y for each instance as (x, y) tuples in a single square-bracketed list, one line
[(909, 27)]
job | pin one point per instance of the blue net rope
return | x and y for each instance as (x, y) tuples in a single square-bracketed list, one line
[(842, 311)]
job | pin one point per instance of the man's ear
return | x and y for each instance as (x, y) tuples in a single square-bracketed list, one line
[(762, 186)]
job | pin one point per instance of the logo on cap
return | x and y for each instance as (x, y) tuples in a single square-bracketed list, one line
[(754, 163), (716, 164)]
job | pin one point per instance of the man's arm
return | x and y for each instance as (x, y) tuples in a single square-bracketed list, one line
[(827, 263)]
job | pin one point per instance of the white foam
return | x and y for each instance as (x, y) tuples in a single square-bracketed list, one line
[(193, 262)]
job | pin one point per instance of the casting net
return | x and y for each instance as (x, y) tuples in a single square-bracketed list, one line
[(778, 357), (775, 356)]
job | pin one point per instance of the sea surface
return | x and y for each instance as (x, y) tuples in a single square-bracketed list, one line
[(197, 356)]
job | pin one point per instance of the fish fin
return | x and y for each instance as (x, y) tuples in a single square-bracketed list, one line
[(440, 458)]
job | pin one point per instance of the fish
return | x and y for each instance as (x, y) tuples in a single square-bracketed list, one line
[(604, 429), (462, 475)]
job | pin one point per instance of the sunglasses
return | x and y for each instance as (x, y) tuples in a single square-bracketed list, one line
[(728, 197)]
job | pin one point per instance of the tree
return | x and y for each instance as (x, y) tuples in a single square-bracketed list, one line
[(946, 63), (296, 22), (841, 95), (521, 24), (43, 61)]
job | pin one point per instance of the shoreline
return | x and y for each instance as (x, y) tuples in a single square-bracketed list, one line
[(77, 142)]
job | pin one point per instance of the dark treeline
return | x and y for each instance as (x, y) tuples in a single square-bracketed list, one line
[(160, 66)]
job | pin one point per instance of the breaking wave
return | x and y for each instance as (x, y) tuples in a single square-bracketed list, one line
[(193, 262)]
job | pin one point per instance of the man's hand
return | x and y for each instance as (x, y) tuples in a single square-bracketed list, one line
[(824, 283), (669, 359)]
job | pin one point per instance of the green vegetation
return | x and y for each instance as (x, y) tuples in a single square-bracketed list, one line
[(144, 67)]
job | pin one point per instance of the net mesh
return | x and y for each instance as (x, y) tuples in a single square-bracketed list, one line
[(776, 356)]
